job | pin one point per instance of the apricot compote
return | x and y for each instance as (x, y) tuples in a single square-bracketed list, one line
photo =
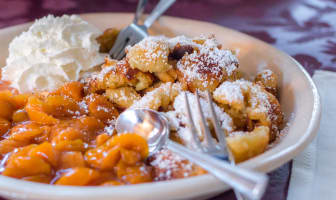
[(64, 137)]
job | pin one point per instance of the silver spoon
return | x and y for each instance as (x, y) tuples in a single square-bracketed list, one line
[(154, 127)]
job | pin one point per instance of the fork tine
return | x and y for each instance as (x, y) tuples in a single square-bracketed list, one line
[(130, 42), (119, 44), (191, 123), (207, 134), (221, 138), (121, 54), (116, 49), (218, 130)]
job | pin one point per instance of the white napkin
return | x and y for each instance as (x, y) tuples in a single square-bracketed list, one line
[(314, 170)]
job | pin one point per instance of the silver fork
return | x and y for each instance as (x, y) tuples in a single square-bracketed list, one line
[(135, 32), (218, 149), (214, 148)]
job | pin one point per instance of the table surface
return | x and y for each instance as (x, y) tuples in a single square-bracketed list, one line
[(305, 29)]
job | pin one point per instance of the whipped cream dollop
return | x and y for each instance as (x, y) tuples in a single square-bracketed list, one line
[(54, 50)]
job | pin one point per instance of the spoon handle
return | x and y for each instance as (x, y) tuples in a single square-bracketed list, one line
[(251, 184)]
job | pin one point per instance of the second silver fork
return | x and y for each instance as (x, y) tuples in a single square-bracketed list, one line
[(135, 32)]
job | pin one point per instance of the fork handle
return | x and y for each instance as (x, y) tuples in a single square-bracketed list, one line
[(139, 11), (251, 184), (162, 6)]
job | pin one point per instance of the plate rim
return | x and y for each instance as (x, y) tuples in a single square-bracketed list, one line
[(282, 156)]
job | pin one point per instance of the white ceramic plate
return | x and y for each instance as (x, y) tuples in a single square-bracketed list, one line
[(299, 100)]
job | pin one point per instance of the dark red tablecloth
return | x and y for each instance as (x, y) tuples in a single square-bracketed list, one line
[(306, 29)]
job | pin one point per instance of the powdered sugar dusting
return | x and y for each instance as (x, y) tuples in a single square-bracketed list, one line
[(182, 40), (237, 133), (230, 92), (151, 44), (208, 60), (109, 129), (178, 118), (167, 164), (234, 91), (100, 75), (259, 100), (151, 98), (153, 47), (123, 96), (154, 99), (83, 106), (266, 74), (282, 133)]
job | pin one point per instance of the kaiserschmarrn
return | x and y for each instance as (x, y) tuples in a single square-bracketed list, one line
[(66, 136)]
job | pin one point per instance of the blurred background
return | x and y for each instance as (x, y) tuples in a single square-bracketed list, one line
[(291, 25), (305, 29)]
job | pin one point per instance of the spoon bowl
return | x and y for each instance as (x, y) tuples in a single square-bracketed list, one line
[(148, 123), (154, 127)]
